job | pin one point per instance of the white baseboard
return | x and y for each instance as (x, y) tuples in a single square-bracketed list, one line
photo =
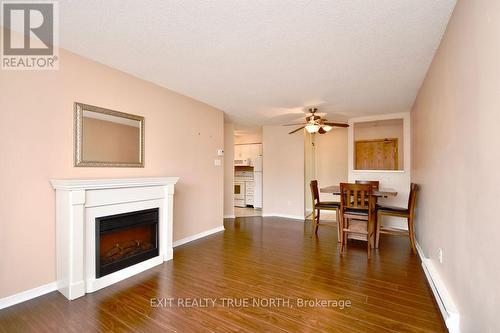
[(292, 217), (229, 216), (27, 295), (197, 236), (446, 305)]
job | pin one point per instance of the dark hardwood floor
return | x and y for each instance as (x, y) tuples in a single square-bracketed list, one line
[(262, 259)]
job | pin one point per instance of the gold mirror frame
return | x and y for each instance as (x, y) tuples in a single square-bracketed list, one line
[(79, 108)]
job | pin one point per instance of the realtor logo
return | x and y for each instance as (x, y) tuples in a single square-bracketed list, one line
[(30, 35)]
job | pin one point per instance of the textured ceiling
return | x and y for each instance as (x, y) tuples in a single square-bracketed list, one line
[(262, 62)]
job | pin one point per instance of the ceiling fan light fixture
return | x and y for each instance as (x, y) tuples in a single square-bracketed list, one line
[(312, 128), (316, 124)]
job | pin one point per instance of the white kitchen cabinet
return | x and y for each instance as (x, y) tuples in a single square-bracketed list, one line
[(242, 152), (237, 152), (249, 187), (247, 151), (255, 150), (249, 193)]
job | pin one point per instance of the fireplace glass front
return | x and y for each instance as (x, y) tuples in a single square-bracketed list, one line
[(124, 240)]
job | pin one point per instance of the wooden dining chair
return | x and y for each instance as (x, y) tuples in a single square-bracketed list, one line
[(408, 213), (374, 183), (322, 205), (357, 203)]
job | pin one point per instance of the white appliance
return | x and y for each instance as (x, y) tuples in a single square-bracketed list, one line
[(249, 193), (244, 162), (257, 182), (243, 188), (239, 193)]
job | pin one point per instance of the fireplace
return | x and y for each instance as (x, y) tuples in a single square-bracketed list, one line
[(86, 210), (124, 240)]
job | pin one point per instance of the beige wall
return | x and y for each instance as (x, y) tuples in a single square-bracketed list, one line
[(110, 142), (36, 143), (331, 159), (328, 159), (228, 170), (254, 136), (456, 156), (384, 129), (283, 172), (309, 169)]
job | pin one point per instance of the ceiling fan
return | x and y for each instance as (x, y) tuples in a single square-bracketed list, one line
[(316, 124)]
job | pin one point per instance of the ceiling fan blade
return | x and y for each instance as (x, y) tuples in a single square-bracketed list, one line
[(336, 124), (321, 130), (298, 129), (297, 124)]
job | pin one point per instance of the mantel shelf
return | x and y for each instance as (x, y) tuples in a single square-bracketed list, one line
[(94, 184)]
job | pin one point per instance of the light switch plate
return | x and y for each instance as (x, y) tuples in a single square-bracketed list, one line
[(217, 162)]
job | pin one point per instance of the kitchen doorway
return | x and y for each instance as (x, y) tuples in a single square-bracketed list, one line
[(248, 173)]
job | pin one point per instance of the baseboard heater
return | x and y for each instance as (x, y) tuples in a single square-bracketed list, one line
[(446, 305)]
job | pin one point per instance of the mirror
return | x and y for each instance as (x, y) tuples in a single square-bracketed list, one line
[(107, 138)]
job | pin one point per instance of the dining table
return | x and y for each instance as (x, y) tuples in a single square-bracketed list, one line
[(380, 193)]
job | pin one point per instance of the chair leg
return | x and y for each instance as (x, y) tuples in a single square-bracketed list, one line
[(342, 236), (313, 223), (369, 239), (373, 231), (343, 246), (345, 234), (317, 222), (369, 247), (377, 233), (411, 234), (339, 227)]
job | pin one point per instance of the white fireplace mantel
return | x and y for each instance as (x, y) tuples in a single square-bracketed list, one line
[(80, 201)]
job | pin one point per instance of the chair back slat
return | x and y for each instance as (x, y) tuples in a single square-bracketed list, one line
[(314, 191), (356, 196)]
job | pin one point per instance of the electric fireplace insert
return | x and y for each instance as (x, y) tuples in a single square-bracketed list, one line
[(124, 240)]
